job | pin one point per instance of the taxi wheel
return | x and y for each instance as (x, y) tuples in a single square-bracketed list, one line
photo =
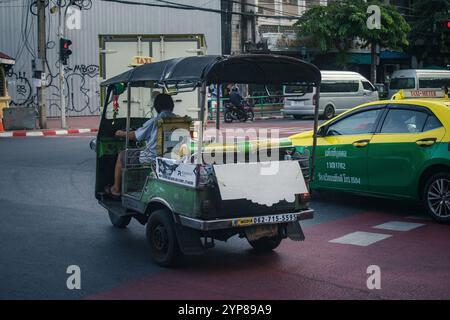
[(161, 237), (266, 244), (436, 196), (329, 112), (117, 221)]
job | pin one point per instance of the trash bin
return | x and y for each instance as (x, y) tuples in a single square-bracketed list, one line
[(19, 118)]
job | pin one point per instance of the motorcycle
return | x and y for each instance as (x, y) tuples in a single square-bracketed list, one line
[(242, 113)]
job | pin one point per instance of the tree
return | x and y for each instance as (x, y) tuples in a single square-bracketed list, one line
[(430, 37), (334, 26), (340, 24), (391, 33)]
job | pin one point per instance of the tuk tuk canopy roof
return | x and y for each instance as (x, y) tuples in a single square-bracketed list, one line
[(215, 69)]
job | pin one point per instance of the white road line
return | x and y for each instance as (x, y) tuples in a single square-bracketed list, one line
[(361, 238), (34, 134), (399, 226), (6, 134), (58, 132)]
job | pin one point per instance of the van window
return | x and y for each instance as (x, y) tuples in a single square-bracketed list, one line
[(340, 86), (402, 83), (434, 83), (368, 86), (298, 89)]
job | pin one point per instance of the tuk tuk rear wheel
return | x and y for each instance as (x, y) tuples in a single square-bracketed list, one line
[(119, 221), (266, 244), (161, 237)]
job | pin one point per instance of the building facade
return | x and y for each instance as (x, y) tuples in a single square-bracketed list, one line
[(18, 38)]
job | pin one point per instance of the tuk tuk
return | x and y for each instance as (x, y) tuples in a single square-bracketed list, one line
[(198, 191)]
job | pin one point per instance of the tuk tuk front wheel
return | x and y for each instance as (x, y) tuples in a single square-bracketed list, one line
[(161, 237), (266, 244), (119, 221)]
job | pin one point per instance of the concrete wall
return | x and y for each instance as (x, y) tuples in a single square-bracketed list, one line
[(17, 24)]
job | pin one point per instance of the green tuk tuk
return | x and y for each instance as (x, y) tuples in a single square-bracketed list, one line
[(198, 191)]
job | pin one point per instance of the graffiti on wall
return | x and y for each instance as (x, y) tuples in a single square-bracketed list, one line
[(81, 89)]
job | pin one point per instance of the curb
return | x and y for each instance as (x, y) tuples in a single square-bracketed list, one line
[(62, 132)]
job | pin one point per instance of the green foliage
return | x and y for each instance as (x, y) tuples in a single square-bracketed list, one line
[(429, 36), (394, 28), (339, 24)]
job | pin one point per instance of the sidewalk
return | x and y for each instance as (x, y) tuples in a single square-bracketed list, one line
[(76, 125)]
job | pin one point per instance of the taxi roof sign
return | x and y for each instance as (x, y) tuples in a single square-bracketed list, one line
[(140, 60), (404, 94)]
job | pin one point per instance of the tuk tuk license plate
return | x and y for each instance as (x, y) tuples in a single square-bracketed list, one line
[(278, 218)]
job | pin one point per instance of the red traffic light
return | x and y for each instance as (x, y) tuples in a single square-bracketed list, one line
[(448, 24)]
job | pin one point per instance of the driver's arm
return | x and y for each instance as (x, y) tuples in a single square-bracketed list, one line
[(123, 134)]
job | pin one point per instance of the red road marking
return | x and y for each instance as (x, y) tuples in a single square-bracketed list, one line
[(414, 264)]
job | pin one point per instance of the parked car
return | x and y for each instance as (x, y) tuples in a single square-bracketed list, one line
[(339, 91), (418, 79), (391, 148), (382, 90)]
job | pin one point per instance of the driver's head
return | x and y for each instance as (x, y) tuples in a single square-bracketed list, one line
[(163, 102)]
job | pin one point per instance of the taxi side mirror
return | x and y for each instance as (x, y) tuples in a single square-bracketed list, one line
[(321, 132)]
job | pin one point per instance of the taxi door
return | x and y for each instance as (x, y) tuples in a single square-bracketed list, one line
[(342, 149), (406, 138)]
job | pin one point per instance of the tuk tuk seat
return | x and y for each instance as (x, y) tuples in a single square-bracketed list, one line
[(136, 175)]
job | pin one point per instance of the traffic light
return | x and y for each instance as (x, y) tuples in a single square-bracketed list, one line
[(64, 50)]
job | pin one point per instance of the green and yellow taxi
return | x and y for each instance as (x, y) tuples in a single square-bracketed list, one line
[(397, 148)]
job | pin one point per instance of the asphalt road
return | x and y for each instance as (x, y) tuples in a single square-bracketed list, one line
[(50, 220)]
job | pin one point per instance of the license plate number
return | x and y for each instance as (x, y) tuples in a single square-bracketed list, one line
[(278, 218)]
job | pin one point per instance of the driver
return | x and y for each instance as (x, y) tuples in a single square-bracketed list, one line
[(163, 105)]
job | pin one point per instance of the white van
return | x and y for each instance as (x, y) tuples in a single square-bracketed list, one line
[(339, 91), (418, 79)]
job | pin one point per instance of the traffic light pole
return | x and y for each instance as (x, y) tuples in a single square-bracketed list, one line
[(42, 45)]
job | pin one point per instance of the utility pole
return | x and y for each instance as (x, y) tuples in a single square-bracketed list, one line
[(42, 55), (62, 99)]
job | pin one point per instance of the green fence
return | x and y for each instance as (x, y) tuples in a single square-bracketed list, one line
[(262, 106)]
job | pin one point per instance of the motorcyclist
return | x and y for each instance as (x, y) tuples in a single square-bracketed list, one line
[(236, 98)]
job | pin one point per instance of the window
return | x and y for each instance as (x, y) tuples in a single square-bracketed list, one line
[(404, 121), (432, 123), (359, 123), (434, 83), (339, 86), (402, 83), (298, 89), (368, 86)]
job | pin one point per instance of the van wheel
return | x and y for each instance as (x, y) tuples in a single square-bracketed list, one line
[(117, 221), (329, 112), (161, 237), (436, 196), (266, 244), (297, 117)]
